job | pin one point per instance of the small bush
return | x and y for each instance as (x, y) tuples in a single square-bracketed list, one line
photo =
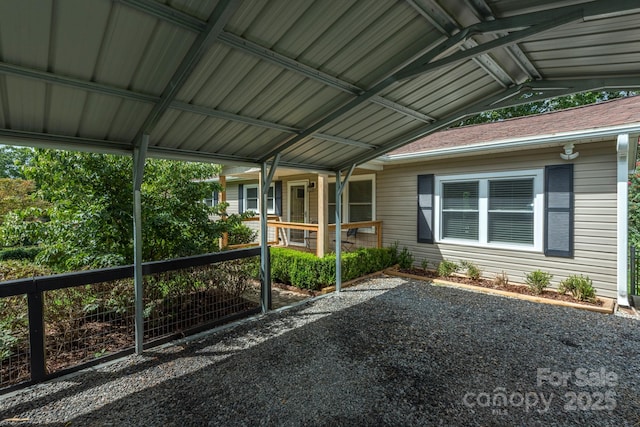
[(393, 250), (425, 264), (501, 279), (581, 287), (473, 271), (538, 280), (19, 253), (447, 268), (405, 259), (241, 234)]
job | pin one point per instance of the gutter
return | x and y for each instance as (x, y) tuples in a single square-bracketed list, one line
[(515, 143)]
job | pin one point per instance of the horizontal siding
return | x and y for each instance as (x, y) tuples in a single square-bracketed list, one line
[(595, 215)]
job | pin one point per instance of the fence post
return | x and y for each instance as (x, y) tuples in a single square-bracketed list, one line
[(633, 272), (36, 335)]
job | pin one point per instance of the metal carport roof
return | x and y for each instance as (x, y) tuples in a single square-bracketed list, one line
[(325, 83)]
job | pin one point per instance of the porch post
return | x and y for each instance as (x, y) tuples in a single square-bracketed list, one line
[(139, 155), (322, 241), (266, 176), (339, 189)]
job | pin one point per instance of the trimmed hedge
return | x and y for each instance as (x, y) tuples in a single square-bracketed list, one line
[(306, 271), (20, 253)]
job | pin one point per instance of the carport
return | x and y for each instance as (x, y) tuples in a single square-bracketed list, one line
[(315, 85)]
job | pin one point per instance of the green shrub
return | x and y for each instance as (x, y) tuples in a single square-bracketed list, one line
[(405, 259), (241, 234), (538, 280), (501, 279), (473, 271), (393, 250), (581, 287), (447, 268), (19, 253), (425, 264), (306, 271)]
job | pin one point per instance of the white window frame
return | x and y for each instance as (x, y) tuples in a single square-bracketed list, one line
[(483, 207), (345, 199), (271, 207)]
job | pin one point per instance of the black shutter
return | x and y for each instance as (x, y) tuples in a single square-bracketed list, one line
[(558, 211), (216, 199), (278, 196), (240, 198), (425, 208)]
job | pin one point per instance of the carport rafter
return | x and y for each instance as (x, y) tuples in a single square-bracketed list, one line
[(191, 23), (219, 17), (533, 23), (29, 73)]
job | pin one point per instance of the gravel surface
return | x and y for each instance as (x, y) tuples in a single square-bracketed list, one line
[(389, 351)]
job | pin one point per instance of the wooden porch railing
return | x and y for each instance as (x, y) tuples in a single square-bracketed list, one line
[(277, 226)]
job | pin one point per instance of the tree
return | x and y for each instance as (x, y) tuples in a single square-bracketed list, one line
[(89, 223), (17, 194), (547, 105), (12, 159)]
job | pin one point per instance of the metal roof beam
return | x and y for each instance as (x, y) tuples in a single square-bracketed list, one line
[(217, 20), (445, 23), (314, 74), (29, 73), (508, 98), (422, 64), (176, 17)]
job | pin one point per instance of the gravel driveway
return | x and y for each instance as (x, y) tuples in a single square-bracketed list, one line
[(389, 351)]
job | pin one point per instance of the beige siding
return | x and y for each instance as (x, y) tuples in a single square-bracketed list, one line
[(595, 214)]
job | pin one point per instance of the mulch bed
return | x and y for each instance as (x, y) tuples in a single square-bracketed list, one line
[(486, 283)]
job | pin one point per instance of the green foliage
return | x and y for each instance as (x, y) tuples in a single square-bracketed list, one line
[(89, 222), (538, 280), (544, 106), (501, 279), (17, 194), (241, 234), (405, 259), (472, 270), (19, 253), (394, 251), (447, 268), (634, 209), (306, 271), (425, 264), (581, 287), (12, 159)]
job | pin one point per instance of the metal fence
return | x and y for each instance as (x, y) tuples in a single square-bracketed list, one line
[(57, 324)]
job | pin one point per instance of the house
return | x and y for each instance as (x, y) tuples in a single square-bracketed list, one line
[(542, 192)]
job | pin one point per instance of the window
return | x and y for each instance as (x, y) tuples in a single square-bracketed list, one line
[(251, 199), (213, 201), (358, 200), (502, 209)]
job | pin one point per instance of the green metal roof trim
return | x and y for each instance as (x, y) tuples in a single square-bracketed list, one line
[(324, 83)]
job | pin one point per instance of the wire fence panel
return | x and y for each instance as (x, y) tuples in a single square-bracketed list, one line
[(86, 322), (14, 341), (185, 299)]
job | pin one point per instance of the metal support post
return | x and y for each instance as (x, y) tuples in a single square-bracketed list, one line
[(266, 176), (339, 190), (139, 155)]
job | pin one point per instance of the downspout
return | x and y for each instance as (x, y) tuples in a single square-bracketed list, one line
[(139, 156), (622, 220), (266, 176), (339, 189)]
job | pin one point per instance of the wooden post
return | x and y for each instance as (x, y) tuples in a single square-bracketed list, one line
[(322, 242)]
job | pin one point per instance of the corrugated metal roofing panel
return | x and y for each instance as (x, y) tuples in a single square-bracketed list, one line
[(94, 69)]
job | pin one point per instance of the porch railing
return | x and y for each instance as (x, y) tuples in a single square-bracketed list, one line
[(57, 324), (634, 276), (369, 234)]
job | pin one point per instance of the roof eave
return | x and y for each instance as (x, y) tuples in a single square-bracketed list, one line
[(514, 143)]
